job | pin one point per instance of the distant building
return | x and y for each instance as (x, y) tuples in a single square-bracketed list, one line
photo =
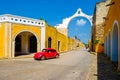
[(97, 39)]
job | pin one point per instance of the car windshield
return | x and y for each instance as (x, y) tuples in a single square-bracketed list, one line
[(44, 50)]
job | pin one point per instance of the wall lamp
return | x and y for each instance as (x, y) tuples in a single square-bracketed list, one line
[(111, 3)]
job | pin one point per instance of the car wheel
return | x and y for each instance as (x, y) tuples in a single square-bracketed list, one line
[(43, 58), (57, 56)]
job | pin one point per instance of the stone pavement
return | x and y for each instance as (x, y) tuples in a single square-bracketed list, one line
[(103, 69), (73, 65)]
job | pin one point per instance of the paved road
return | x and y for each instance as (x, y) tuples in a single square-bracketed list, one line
[(73, 65)]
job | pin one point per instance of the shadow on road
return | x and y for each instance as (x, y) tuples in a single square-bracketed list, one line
[(106, 70)]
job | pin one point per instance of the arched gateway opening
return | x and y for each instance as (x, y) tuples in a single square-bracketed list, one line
[(80, 28), (63, 28), (25, 43)]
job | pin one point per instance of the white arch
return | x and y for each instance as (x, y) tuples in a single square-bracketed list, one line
[(115, 24), (79, 13)]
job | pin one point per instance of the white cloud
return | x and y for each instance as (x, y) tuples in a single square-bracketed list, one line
[(80, 22)]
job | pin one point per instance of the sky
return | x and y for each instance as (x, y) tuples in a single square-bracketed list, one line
[(54, 11)]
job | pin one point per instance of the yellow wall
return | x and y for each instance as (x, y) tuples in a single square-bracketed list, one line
[(63, 42), (51, 32), (56, 36), (66, 43), (2, 39), (12, 30), (71, 44), (17, 28), (113, 15)]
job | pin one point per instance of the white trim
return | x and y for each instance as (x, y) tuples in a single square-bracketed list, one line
[(117, 25), (43, 34), (79, 13), (21, 20)]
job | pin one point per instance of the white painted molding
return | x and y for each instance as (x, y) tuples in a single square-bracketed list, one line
[(79, 13), (21, 20), (43, 34)]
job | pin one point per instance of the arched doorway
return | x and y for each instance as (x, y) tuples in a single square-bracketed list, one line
[(115, 43), (33, 44), (49, 42), (25, 43), (18, 44)]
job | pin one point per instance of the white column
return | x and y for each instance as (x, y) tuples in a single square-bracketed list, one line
[(43, 37)]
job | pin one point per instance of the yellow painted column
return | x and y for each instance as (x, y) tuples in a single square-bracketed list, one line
[(8, 28), (38, 46), (13, 49), (24, 43)]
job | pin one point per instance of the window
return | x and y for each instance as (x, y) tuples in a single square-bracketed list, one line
[(24, 20), (16, 19), (44, 50), (11, 18)]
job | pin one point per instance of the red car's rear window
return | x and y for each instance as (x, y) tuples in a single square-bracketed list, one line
[(44, 50)]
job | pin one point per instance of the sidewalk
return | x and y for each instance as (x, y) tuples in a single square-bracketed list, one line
[(102, 69)]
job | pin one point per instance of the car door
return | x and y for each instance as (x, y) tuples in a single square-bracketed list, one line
[(53, 53), (49, 54)]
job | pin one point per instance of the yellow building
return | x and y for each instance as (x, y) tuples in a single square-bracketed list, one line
[(97, 39), (21, 35), (112, 32)]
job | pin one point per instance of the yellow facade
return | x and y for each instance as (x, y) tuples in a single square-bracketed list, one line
[(30, 36), (9, 32), (113, 15), (51, 33), (59, 41), (2, 41), (112, 32)]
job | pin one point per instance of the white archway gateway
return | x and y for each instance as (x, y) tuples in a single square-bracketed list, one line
[(66, 21)]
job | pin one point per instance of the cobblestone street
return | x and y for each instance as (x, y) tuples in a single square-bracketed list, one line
[(72, 65)]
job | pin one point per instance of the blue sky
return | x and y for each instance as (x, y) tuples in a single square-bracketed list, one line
[(53, 11)]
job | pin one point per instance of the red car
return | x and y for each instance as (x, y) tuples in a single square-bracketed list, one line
[(46, 54)]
